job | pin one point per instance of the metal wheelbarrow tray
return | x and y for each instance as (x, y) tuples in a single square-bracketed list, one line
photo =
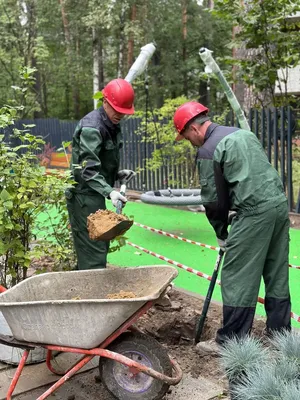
[(72, 309), (69, 312)]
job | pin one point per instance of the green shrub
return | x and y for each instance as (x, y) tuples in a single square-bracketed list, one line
[(260, 373), (26, 192)]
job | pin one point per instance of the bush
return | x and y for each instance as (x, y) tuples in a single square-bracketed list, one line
[(26, 192), (260, 373)]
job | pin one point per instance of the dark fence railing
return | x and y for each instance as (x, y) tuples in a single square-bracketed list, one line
[(273, 127)]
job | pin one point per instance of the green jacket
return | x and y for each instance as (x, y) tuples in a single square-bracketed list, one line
[(235, 174), (96, 153)]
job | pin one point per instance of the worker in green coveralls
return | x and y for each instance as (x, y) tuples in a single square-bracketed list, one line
[(235, 174), (95, 161)]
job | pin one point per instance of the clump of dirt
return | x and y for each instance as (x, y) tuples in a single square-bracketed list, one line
[(178, 327), (121, 295), (103, 221)]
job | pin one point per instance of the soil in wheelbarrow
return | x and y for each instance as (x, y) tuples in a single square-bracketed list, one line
[(103, 221), (121, 295)]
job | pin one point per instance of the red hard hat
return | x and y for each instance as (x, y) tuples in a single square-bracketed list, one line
[(120, 95), (185, 113)]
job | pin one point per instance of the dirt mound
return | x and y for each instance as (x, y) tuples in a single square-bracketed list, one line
[(176, 330), (178, 326)]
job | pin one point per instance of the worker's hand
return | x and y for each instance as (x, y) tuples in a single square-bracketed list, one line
[(116, 196), (125, 175), (222, 244), (231, 215)]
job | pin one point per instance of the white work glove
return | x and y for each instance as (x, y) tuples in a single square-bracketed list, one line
[(116, 196), (222, 244), (123, 175)]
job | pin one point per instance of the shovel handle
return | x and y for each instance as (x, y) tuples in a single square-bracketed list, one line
[(202, 318), (120, 204)]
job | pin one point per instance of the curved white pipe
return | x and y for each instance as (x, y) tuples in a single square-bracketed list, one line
[(209, 61), (141, 62)]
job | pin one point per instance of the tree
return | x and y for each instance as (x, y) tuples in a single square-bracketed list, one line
[(267, 42), (76, 47)]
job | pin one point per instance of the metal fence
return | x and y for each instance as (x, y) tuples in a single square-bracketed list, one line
[(274, 128)]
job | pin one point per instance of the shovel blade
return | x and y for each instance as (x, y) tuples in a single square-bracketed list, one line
[(117, 230)]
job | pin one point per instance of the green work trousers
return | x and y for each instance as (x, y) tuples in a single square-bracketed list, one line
[(257, 247), (91, 254)]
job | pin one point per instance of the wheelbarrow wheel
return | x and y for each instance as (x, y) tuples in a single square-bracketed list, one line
[(128, 384)]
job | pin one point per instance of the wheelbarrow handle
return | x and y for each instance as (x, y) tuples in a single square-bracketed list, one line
[(2, 289)]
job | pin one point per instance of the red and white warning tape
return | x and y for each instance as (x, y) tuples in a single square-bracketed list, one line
[(168, 260), (160, 232), (149, 228), (192, 271)]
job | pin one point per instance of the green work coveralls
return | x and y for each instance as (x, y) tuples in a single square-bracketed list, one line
[(95, 162), (235, 174)]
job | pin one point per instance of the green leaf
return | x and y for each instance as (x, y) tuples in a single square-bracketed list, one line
[(98, 96), (2, 247), (66, 144), (9, 205), (4, 195), (9, 226), (19, 253)]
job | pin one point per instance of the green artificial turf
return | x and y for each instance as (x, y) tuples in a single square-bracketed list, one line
[(194, 226)]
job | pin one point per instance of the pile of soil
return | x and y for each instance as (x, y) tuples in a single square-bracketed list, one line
[(176, 329), (102, 221), (121, 295)]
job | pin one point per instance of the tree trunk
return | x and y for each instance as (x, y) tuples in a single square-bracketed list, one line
[(45, 96), (76, 91), (29, 58), (159, 98), (210, 4), (72, 81), (98, 70), (121, 42), (203, 93), (101, 65), (95, 64), (131, 40), (184, 36), (37, 88)]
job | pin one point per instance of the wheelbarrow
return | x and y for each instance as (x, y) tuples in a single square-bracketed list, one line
[(72, 312)]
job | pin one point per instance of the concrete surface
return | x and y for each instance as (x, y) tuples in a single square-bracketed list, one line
[(37, 375), (194, 389), (36, 379)]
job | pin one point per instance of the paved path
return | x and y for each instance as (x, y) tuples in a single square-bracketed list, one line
[(36, 379)]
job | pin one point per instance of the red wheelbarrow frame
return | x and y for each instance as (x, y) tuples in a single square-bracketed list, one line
[(88, 355)]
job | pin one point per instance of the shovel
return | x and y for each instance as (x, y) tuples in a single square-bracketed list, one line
[(122, 226), (201, 321), (207, 301)]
